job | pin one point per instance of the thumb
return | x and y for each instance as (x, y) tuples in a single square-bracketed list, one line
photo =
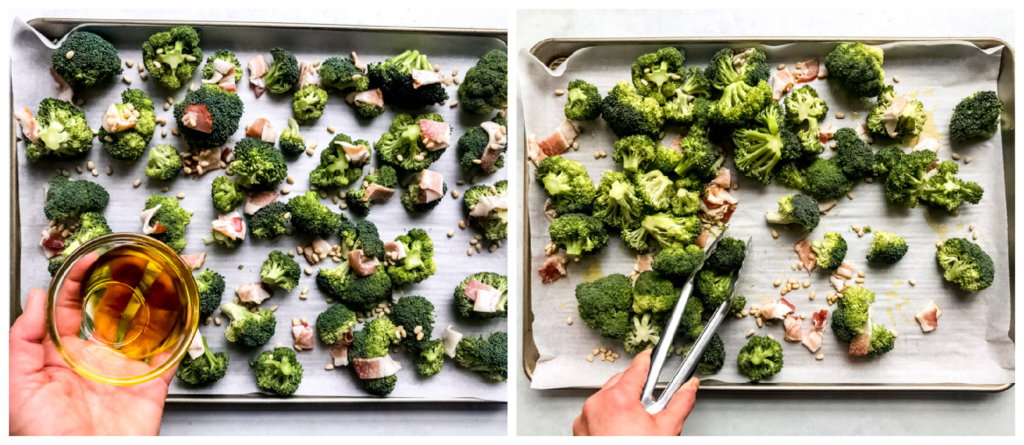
[(27, 336), (680, 406)]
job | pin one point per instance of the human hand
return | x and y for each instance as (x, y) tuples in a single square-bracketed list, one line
[(47, 397), (616, 409)]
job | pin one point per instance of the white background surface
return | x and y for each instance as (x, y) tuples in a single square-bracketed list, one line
[(552, 412)]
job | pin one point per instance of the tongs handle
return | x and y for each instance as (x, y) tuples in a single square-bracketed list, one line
[(660, 352)]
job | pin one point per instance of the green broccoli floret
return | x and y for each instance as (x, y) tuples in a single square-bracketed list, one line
[(85, 59), (605, 305), (269, 222), (411, 312), (654, 293), (363, 236), (792, 175), (367, 106), (628, 113), (690, 104), (335, 169), (760, 147), (665, 160), (402, 145), (761, 358), (394, 78), (714, 287), (885, 159), (657, 75), (258, 165), (795, 209), (359, 201), (909, 122), (373, 341), (495, 223), (67, 199), (290, 141), (656, 191), (857, 67), (227, 195), (281, 270), (278, 371), (944, 190), (54, 265), (411, 195), (225, 108), (699, 157), (284, 72), (728, 256), (308, 104), (338, 74), (336, 281), (907, 183), (690, 326), (830, 250), (465, 306), (203, 370), (645, 333), (966, 264), (335, 323), (567, 183), (678, 263), (803, 104), (311, 217), (171, 216), (431, 357), (366, 292), (584, 101), (418, 263), (249, 329), (632, 151), (736, 305), (618, 204), (164, 163), (667, 230), (211, 289), (129, 144), (825, 179), (487, 356), (887, 248), (473, 145), (976, 116), (882, 341), (713, 358), (743, 85), (686, 202), (92, 225), (485, 87), (225, 55), (851, 316), (64, 133), (171, 57)]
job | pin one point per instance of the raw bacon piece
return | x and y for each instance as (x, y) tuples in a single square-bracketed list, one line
[(223, 75), (356, 154), (838, 283), (549, 212), (825, 206), (146, 216), (194, 260), (806, 71), (782, 82), (495, 146), (643, 263), (197, 117), (377, 193), (676, 143), (307, 75), (555, 144), (473, 287), (254, 292), (255, 129), (450, 339), (303, 336), (196, 349), (846, 270), (486, 204), (863, 133), (927, 142), (363, 265), (230, 225), (568, 130), (723, 178), (64, 91), (702, 239), (339, 350), (258, 201), (425, 77), (825, 132), (52, 242), (794, 330), (487, 300), (431, 187), (118, 118), (777, 310), (258, 67), (928, 317), (861, 344), (373, 96), (814, 338), (892, 114), (375, 368), (436, 135), (395, 251), (553, 268), (29, 124), (805, 254)]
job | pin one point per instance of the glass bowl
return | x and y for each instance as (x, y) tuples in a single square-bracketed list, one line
[(133, 314)]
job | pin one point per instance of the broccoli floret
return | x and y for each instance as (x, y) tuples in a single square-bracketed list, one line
[(803, 104), (699, 157), (129, 144), (164, 163), (966, 264), (472, 147), (654, 293), (657, 75), (363, 236), (278, 371), (336, 281), (431, 357), (606, 305), (411, 312), (618, 204), (742, 79), (714, 287), (92, 225), (308, 104), (290, 141), (225, 55), (418, 263), (909, 122), (485, 87), (338, 74), (258, 165), (690, 104), (64, 133), (54, 265), (211, 289), (761, 358), (67, 199), (944, 190), (885, 159), (792, 175), (203, 370), (976, 116), (632, 151), (171, 216), (851, 316), (645, 332), (665, 160), (281, 270), (678, 263), (686, 202), (495, 223), (690, 326), (487, 356), (760, 147), (584, 101), (366, 292), (229, 241), (628, 113), (269, 222), (825, 179), (796, 209), (358, 200), (394, 78), (335, 169), (858, 68), (284, 72), (85, 59), (171, 57), (373, 341), (713, 358), (908, 180), (225, 108), (726, 67), (227, 195), (402, 145), (567, 183), (830, 250), (667, 230), (335, 323), (887, 248), (656, 191), (465, 306), (249, 329), (736, 305), (728, 256), (696, 84), (411, 195), (311, 217)]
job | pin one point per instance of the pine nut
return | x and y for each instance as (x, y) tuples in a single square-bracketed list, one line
[(559, 92), (912, 282), (568, 321), (775, 234), (309, 271), (840, 115), (819, 357), (750, 333)]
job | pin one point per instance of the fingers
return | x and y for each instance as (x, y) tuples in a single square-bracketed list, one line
[(26, 342), (578, 427), (679, 408), (611, 382), (633, 378), (69, 300)]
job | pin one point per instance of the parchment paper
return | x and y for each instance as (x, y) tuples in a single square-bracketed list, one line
[(30, 62), (971, 344)]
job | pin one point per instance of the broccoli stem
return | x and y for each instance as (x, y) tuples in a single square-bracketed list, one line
[(574, 247), (658, 75), (556, 184)]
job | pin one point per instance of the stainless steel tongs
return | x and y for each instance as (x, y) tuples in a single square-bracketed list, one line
[(689, 365)]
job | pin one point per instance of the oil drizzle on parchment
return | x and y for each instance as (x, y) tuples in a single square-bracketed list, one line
[(928, 91), (929, 128), (941, 229), (855, 115), (561, 305), (593, 273), (912, 94), (897, 284)]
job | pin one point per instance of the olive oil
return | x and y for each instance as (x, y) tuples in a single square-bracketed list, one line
[(134, 303)]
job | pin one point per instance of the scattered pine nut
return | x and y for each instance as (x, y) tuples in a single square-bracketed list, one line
[(860, 273), (896, 79), (455, 194), (559, 92), (967, 160), (750, 333), (849, 195), (95, 172), (469, 252), (975, 236), (840, 115), (454, 103), (568, 321), (590, 358), (819, 357), (451, 233), (956, 156), (912, 282), (775, 234), (309, 271), (782, 66), (127, 80), (771, 337), (778, 282)]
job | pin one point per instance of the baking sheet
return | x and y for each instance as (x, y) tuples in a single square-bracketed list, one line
[(30, 63), (972, 345)]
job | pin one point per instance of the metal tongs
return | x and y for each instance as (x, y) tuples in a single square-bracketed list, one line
[(689, 365)]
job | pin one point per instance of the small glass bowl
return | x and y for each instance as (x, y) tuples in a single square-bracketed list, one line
[(69, 322)]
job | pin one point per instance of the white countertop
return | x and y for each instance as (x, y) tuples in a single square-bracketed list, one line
[(552, 412)]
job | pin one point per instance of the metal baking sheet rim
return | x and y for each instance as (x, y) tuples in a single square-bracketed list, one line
[(552, 52), (53, 28)]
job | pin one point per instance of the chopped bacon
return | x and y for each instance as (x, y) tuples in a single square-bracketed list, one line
[(377, 193), (825, 206), (52, 242), (777, 310), (307, 75), (303, 336), (64, 91), (258, 67), (794, 329), (555, 144), (425, 77), (473, 287), (146, 216), (863, 133), (450, 339), (676, 143), (806, 71), (262, 128), (259, 200), (861, 344), (29, 124), (198, 118), (928, 317), (118, 118), (549, 211), (486, 204), (375, 368), (363, 265), (822, 71), (891, 116), (230, 225), (356, 154), (223, 75), (196, 348), (396, 251), (723, 178), (702, 239), (553, 268), (254, 292), (339, 350), (814, 338), (927, 142), (805, 254), (838, 283), (496, 143), (194, 260), (846, 270), (717, 204), (431, 186), (718, 197), (373, 96), (643, 262), (487, 300), (436, 135), (825, 132), (782, 82)]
